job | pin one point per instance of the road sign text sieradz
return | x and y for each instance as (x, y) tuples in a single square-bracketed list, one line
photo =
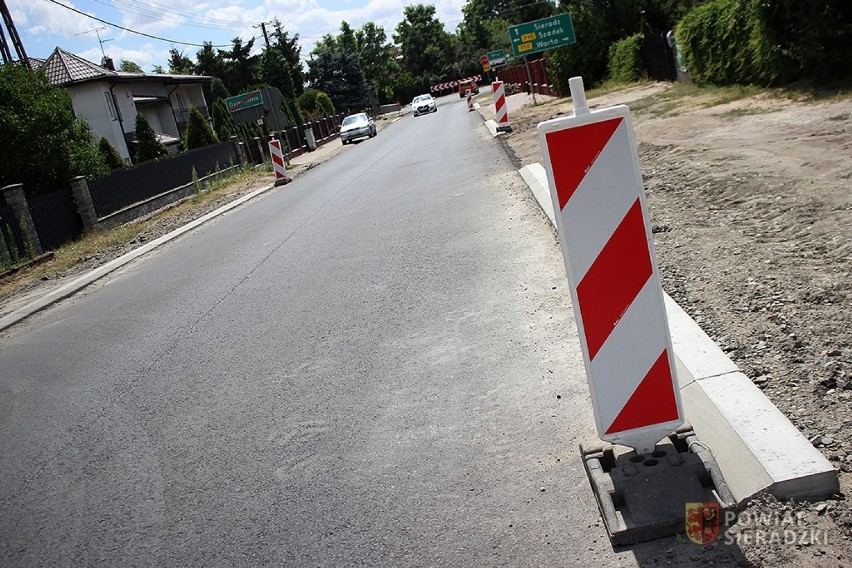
[(541, 35)]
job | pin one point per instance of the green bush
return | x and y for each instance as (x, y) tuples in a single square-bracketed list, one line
[(111, 156), (223, 124), (767, 42), (148, 146), (315, 103), (625, 60), (812, 36), (199, 133), (44, 145)]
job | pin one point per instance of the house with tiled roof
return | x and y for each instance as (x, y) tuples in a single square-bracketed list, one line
[(108, 100)]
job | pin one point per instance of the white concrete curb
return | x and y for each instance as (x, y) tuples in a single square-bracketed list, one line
[(73, 287), (757, 448)]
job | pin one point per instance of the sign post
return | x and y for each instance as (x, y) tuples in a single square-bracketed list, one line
[(601, 216)]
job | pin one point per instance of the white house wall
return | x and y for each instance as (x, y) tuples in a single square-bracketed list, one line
[(193, 95), (90, 104)]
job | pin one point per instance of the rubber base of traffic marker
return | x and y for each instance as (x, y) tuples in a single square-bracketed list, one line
[(504, 128), (282, 181), (644, 497)]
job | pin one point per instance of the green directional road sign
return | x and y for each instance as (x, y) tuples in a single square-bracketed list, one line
[(496, 58), (540, 35), (245, 100)]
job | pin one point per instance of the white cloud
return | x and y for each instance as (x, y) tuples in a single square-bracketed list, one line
[(38, 18)]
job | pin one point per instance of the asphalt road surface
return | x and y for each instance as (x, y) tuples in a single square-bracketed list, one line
[(375, 365)]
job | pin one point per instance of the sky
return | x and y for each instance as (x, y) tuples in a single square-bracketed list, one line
[(45, 24)]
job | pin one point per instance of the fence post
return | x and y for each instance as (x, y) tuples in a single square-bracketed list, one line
[(17, 202), (239, 149), (83, 199), (259, 149)]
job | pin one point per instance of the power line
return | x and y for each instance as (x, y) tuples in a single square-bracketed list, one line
[(158, 38), (171, 16)]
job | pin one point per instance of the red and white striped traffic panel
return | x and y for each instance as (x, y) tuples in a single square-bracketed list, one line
[(277, 159), (596, 187), (500, 102), (469, 101)]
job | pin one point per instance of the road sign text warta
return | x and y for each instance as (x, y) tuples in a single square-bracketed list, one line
[(541, 35)]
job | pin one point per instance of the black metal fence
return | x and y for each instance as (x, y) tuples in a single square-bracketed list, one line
[(126, 187), (658, 57), (55, 218)]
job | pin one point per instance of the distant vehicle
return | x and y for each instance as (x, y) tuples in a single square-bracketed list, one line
[(465, 86), (357, 126), (423, 104)]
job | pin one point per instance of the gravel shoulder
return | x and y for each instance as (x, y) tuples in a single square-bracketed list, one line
[(751, 209)]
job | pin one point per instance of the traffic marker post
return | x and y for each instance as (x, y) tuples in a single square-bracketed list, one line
[(601, 216), (500, 109), (278, 163), (469, 101)]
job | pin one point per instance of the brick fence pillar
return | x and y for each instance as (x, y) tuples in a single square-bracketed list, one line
[(17, 202), (83, 199)]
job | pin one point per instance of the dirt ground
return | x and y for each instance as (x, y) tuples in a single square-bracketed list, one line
[(750, 200)]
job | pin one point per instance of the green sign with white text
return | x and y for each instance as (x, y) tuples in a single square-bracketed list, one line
[(245, 100), (541, 35)]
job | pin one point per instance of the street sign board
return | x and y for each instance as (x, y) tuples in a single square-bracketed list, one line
[(496, 58), (540, 35), (245, 100), (483, 59)]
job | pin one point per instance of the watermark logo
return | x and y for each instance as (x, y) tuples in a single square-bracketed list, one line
[(702, 522)]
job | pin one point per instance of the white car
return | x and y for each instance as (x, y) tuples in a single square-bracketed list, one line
[(423, 104), (357, 126)]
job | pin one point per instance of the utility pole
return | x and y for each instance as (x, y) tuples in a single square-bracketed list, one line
[(16, 39), (265, 36)]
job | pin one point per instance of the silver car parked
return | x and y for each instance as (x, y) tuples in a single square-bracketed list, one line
[(357, 126)]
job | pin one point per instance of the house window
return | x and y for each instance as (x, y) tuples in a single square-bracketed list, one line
[(110, 105), (179, 98)]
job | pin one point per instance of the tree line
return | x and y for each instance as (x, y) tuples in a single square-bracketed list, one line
[(759, 42)]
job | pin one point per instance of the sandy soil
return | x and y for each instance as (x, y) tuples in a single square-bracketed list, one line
[(751, 209)]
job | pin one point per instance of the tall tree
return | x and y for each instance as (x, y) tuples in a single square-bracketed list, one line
[(337, 73), (129, 67), (289, 48), (375, 55), (36, 117), (179, 64), (424, 43), (218, 90), (241, 67)]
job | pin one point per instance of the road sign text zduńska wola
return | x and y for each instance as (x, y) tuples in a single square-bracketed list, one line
[(540, 35)]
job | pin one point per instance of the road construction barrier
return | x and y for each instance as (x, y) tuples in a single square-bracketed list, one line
[(469, 100), (601, 216), (500, 105), (278, 164)]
